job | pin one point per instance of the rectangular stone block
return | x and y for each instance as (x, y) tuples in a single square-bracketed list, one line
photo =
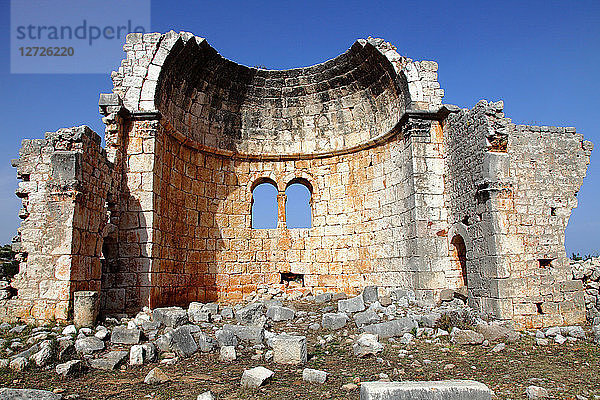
[(446, 390), (288, 349)]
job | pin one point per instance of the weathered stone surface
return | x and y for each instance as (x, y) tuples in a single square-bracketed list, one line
[(352, 305), (85, 308), (366, 317), (136, 355), (494, 332), (70, 368), (537, 392), (205, 396), (393, 328), (447, 390), (156, 376), (226, 337), (278, 313), (110, 360), (88, 345), (370, 294), (121, 335), (253, 334), (227, 354), (182, 342), (314, 375), (170, 316), (289, 349), (323, 298), (250, 314), (256, 377), (334, 321), (366, 344), (27, 394), (18, 364)]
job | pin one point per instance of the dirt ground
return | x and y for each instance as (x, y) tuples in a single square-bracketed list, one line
[(566, 370)]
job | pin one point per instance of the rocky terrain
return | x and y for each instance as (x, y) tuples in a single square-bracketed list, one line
[(281, 346)]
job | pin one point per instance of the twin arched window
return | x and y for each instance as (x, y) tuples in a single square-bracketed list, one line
[(298, 213)]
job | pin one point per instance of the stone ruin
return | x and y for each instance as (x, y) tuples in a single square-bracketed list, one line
[(406, 192)]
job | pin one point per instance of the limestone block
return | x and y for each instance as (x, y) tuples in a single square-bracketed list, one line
[(256, 377), (447, 390), (289, 349), (352, 305)]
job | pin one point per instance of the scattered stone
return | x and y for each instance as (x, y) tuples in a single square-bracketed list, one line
[(136, 355), (156, 376), (430, 320), (27, 394), (366, 317), (314, 375), (334, 321), (253, 334), (197, 313), (256, 377), (88, 345), (226, 337), (44, 355), (227, 354), (69, 330), (70, 368), (227, 312), (499, 347), (560, 339), (536, 392), (352, 305), (393, 328), (171, 317), (5, 326), (365, 344), (250, 314), (542, 342), (279, 313), (466, 337), (109, 361), (289, 349), (205, 343), (349, 387), (205, 396), (407, 390), (323, 298), (122, 335), (182, 342), (407, 338), (370, 294), (494, 332), (18, 364), (314, 326)]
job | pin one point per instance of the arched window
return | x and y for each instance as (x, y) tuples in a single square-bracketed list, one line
[(298, 213), (458, 253), (264, 204)]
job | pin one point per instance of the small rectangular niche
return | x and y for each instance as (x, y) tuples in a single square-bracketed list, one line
[(553, 211), (545, 262), (538, 307), (291, 279)]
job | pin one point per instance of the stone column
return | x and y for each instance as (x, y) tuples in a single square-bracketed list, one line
[(85, 304)]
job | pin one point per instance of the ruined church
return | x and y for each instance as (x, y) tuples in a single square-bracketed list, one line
[(405, 191)]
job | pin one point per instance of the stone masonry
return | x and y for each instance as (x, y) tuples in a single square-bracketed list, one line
[(406, 192)]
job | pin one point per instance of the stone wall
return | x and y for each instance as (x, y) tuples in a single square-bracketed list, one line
[(65, 182), (512, 210)]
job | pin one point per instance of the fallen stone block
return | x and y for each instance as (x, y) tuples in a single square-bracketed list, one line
[(279, 313), (156, 376), (256, 377), (253, 334), (227, 354), (537, 392), (494, 332), (182, 342), (366, 317), (110, 361), (70, 368), (250, 314), (289, 349), (27, 394), (18, 364), (226, 337), (365, 344), (352, 305), (88, 345), (121, 335), (323, 298), (205, 396), (314, 375), (438, 390), (198, 313), (170, 316), (393, 328), (136, 355), (370, 294), (334, 321)]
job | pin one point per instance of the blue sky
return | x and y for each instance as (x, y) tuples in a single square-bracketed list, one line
[(540, 57)]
